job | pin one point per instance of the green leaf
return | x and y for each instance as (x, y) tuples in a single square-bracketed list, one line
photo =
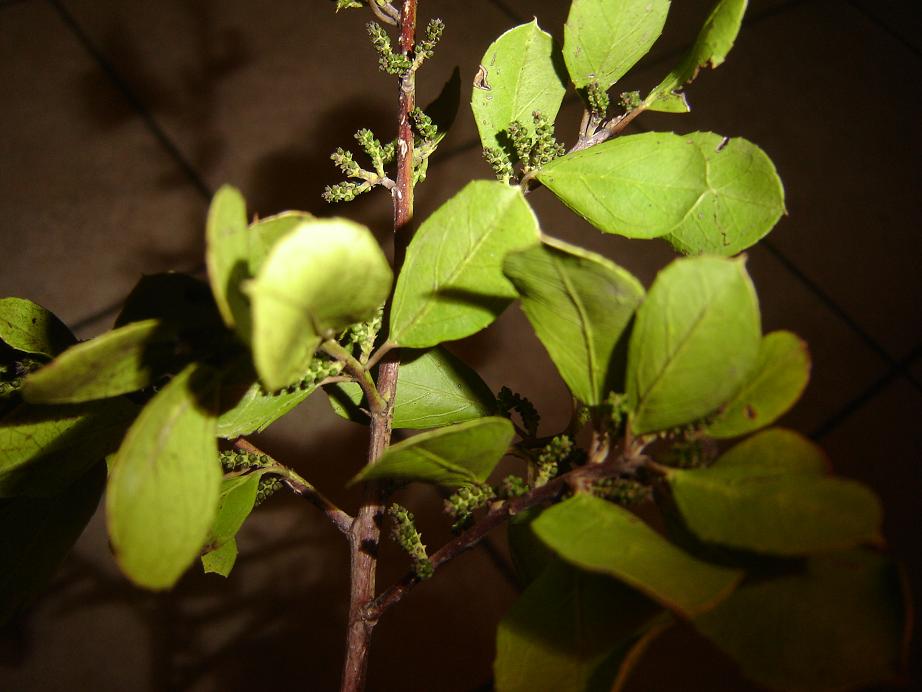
[(220, 560), (43, 449), (603, 39), (265, 233), (452, 283), (118, 362), (599, 536), (560, 632), (520, 73), (638, 186), (452, 456), (30, 328), (164, 485), (226, 254), (779, 378), (841, 624), (37, 533), (768, 494), (322, 277), (579, 304), (257, 409), (235, 502), (710, 50), (743, 200), (434, 388), (695, 341)]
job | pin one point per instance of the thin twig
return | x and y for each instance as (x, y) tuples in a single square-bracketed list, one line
[(381, 13), (498, 514), (379, 354), (299, 486)]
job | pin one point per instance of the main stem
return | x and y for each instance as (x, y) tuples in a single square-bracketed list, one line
[(366, 533)]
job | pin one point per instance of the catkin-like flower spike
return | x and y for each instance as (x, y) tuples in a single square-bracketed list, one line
[(344, 192), (521, 141), (551, 457), (623, 491), (513, 486), (630, 100), (407, 537), (423, 124), (500, 163), (545, 148), (464, 501), (268, 486), (393, 63), (425, 47), (344, 162), (597, 98), (372, 146), (509, 401)]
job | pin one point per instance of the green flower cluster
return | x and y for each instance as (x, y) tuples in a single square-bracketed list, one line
[(238, 460), (508, 401), (407, 537), (623, 491), (268, 486), (390, 62), (597, 98), (513, 486), (464, 501), (550, 458)]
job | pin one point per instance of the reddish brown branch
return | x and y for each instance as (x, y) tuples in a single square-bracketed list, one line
[(497, 515), (340, 519), (366, 533)]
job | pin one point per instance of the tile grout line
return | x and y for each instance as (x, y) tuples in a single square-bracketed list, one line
[(125, 89), (883, 26), (170, 148), (899, 369)]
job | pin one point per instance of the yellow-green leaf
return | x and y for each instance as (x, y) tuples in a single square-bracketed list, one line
[(451, 456), (695, 341), (779, 378), (164, 485), (603, 39), (30, 328), (579, 304), (770, 494), (599, 536), (226, 255), (319, 278), (452, 283)]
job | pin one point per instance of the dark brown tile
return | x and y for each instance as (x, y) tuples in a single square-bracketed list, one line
[(902, 19), (850, 172), (86, 211)]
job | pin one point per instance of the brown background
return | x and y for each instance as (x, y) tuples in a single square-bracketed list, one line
[(119, 118)]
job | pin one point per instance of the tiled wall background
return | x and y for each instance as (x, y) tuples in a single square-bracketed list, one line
[(119, 118)]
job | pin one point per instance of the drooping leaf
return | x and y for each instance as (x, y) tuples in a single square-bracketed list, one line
[(579, 304), (564, 627), (452, 284), (599, 536), (30, 328), (118, 362), (714, 41), (743, 201), (235, 502), (226, 254), (221, 560), (43, 449), (265, 233), (322, 277), (639, 186), (434, 388), (779, 378), (520, 73), (451, 456), (769, 495), (165, 480), (695, 341), (36, 534), (603, 39), (841, 624)]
